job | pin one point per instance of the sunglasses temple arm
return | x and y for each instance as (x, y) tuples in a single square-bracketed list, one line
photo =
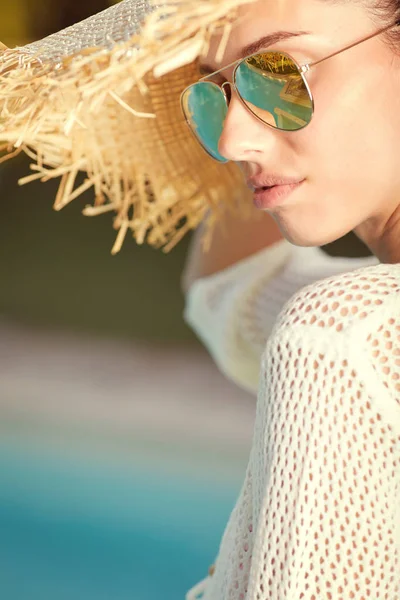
[(317, 62)]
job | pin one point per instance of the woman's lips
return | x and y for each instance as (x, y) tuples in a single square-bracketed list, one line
[(273, 196)]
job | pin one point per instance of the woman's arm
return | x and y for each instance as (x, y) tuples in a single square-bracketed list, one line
[(233, 239)]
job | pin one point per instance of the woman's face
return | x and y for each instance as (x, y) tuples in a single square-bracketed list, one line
[(349, 155)]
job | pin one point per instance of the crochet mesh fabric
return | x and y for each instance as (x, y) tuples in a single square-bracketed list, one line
[(234, 311), (318, 516)]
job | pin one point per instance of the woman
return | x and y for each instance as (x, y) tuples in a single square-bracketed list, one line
[(318, 516)]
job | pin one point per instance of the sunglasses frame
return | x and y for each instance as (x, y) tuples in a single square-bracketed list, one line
[(302, 68)]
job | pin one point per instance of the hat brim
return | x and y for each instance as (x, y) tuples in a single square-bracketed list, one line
[(114, 113)]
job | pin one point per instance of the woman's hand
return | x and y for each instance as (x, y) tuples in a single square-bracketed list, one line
[(233, 239)]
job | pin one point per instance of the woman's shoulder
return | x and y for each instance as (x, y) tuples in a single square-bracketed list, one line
[(337, 301), (353, 316)]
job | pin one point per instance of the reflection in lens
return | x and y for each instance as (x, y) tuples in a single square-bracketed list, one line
[(205, 108), (273, 88)]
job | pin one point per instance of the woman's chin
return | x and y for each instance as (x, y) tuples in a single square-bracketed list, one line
[(310, 235)]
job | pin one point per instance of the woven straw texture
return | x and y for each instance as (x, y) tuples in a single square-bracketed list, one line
[(103, 97)]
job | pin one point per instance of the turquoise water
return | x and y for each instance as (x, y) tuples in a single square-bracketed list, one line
[(77, 530)]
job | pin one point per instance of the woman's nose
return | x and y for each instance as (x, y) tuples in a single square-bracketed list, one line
[(244, 137)]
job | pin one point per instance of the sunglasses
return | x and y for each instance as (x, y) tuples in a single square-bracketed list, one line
[(271, 85)]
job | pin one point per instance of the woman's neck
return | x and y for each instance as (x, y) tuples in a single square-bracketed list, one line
[(382, 236)]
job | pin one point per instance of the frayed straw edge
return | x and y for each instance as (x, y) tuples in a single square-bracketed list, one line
[(126, 106), (178, 45)]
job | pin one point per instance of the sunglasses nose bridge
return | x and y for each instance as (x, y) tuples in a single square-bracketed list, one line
[(222, 86)]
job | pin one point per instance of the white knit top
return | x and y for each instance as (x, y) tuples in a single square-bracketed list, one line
[(318, 516)]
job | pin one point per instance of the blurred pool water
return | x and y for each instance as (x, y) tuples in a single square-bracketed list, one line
[(119, 466), (73, 528)]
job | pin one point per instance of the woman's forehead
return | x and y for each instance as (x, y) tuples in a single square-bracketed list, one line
[(278, 21)]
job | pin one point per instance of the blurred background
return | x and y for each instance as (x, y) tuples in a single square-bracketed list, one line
[(122, 447)]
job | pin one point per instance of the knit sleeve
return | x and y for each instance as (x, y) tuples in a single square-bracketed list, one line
[(324, 471), (327, 479), (233, 311)]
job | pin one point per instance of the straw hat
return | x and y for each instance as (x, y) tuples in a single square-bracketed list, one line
[(103, 97)]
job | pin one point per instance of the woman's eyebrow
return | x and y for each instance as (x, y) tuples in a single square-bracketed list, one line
[(269, 40), (264, 42)]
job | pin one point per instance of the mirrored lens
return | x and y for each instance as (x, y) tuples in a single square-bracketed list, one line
[(274, 90), (205, 109)]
